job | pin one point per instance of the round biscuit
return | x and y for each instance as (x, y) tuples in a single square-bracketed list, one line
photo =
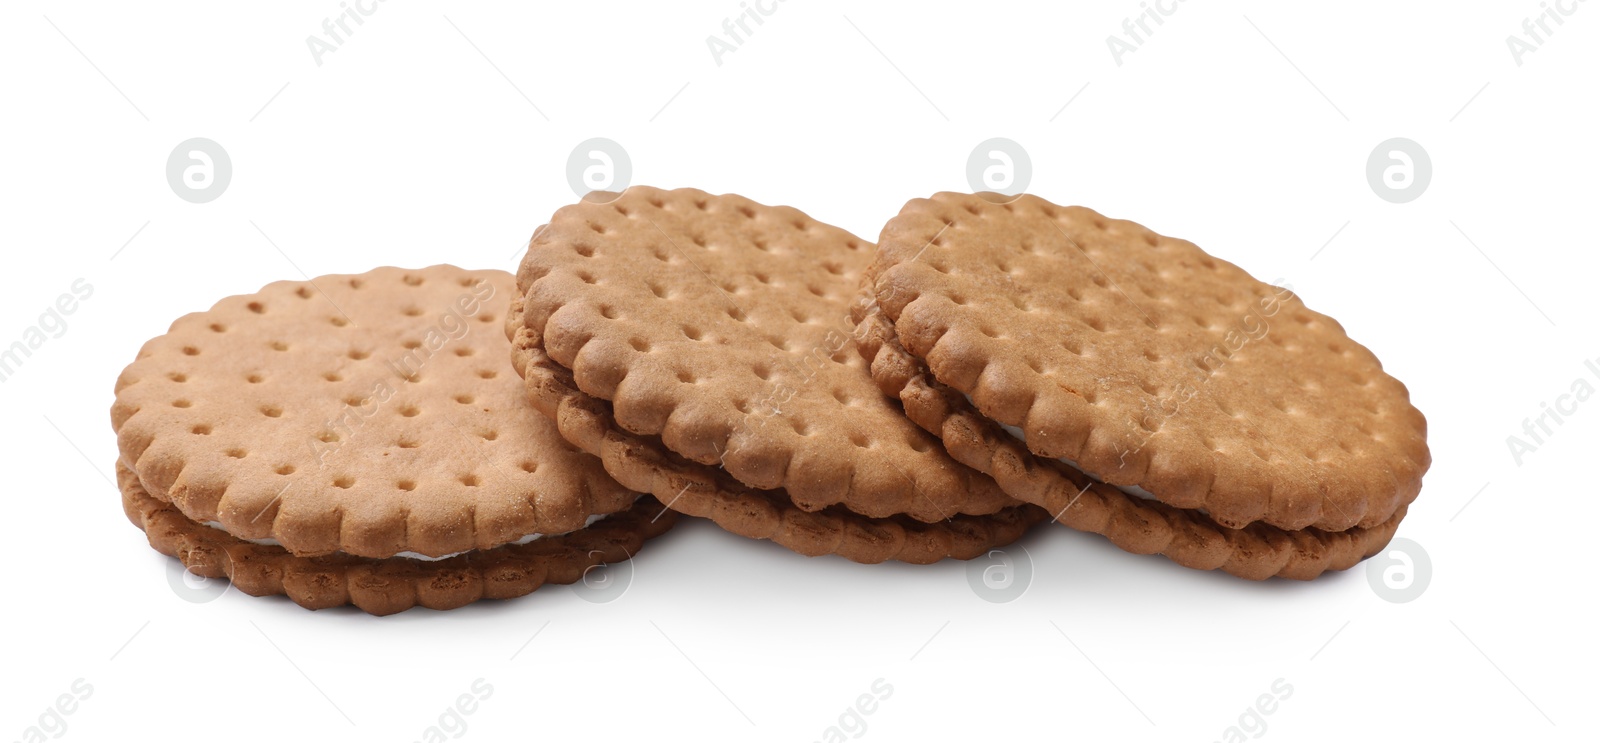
[(1143, 526), (1147, 362), (722, 327), (368, 414), (704, 491), (390, 585)]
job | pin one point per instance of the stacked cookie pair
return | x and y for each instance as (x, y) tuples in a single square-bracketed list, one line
[(362, 440), (993, 362), (1139, 388), (376, 440), (702, 347)]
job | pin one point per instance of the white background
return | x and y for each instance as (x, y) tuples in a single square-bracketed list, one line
[(440, 133)]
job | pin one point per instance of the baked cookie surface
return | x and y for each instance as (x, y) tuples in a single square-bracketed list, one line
[(644, 463), (1148, 363), (389, 585), (1133, 522), (370, 415), (722, 327)]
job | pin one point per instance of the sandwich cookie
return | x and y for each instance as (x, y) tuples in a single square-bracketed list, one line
[(366, 430), (1245, 431), (389, 585), (701, 345)]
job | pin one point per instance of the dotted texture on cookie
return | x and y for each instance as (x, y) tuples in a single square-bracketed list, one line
[(1149, 363), (394, 584), (1139, 525), (368, 414), (644, 464), (723, 326)]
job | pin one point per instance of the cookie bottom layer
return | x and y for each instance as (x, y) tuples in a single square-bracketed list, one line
[(644, 464), (1189, 538), (390, 585)]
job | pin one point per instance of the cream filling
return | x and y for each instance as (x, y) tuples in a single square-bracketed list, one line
[(1016, 433), (524, 539)]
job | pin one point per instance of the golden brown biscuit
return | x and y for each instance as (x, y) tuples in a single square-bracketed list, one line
[(644, 463), (1136, 524), (1149, 364), (393, 584), (721, 327), (371, 415)]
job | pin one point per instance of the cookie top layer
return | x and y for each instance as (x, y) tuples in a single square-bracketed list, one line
[(368, 414), (709, 492), (1148, 363), (1137, 524), (723, 326)]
